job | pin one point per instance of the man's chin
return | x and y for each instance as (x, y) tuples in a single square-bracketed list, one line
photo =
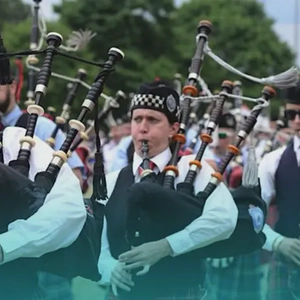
[(4, 106)]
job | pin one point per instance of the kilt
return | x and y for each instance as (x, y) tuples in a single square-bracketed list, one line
[(284, 279), (56, 287), (192, 293), (241, 280)]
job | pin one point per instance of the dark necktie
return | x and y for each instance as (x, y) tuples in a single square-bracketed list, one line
[(151, 164)]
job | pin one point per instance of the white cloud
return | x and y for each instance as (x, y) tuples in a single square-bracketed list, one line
[(282, 11), (46, 7), (286, 15)]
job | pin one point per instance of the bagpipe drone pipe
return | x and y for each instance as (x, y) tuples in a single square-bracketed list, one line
[(21, 197), (111, 104), (64, 117)]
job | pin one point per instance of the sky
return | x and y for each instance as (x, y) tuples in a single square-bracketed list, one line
[(283, 12)]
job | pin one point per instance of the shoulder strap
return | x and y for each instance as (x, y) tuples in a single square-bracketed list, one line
[(130, 152), (23, 120), (1, 148)]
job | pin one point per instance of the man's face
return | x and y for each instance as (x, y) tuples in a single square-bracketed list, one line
[(292, 112), (153, 126), (225, 137), (284, 135)]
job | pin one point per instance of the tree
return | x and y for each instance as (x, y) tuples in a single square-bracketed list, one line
[(140, 28), (158, 39), (242, 35), (13, 12), (17, 39)]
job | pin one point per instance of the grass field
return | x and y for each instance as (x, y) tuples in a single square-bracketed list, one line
[(85, 289)]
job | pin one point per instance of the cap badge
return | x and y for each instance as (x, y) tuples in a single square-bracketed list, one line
[(171, 103)]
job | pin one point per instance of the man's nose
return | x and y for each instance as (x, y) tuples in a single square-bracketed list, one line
[(297, 118), (144, 126)]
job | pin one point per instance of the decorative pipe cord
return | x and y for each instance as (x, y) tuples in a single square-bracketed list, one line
[(70, 79), (261, 101), (204, 87), (283, 80)]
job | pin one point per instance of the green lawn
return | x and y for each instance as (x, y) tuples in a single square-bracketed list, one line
[(85, 289)]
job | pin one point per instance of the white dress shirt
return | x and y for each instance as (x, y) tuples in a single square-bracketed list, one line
[(59, 221), (266, 174), (217, 222)]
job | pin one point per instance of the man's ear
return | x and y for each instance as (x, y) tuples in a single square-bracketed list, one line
[(13, 87), (174, 128)]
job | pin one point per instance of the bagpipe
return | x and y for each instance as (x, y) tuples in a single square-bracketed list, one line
[(111, 104), (237, 104), (149, 201), (28, 196), (177, 83), (79, 146), (64, 117), (76, 41), (200, 127), (234, 173)]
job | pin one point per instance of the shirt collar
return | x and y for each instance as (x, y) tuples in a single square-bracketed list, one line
[(12, 117), (296, 143), (111, 144), (160, 160)]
